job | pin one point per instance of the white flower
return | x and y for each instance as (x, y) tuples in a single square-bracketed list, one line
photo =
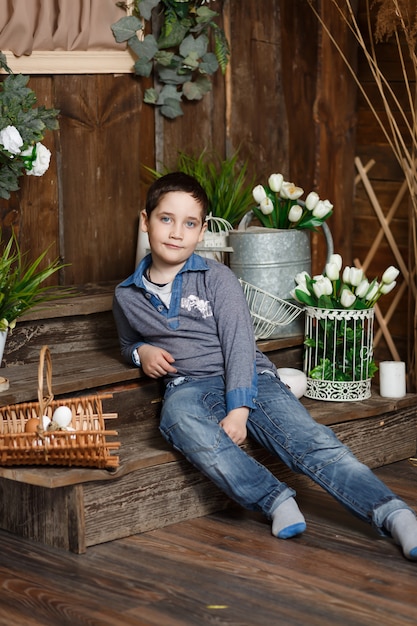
[(373, 292), (300, 278), (347, 298), (266, 206), (328, 204), (332, 270), (258, 194), (321, 209), (11, 139), (302, 288), (312, 200), (390, 274), (387, 287), (362, 289), (289, 191), (295, 213), (352, 276), (41, 162), (322, 286), (275, 181), (337, 259)]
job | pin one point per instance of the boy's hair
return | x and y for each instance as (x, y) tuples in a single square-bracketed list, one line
[(176, 181)]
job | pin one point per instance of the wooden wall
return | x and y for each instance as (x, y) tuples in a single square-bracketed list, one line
[(386, 178), (287, 102), (87, 204)]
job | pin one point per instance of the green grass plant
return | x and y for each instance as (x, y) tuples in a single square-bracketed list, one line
[(226, 182)]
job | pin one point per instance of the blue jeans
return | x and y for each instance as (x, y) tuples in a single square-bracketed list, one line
[(192, 411)]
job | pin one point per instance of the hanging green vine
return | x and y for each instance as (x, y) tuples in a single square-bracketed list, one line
[(180, 56)]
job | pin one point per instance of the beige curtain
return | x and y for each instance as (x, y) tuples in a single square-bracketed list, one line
[(27, 25)]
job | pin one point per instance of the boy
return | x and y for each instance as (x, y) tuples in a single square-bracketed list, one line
[(185, 319)]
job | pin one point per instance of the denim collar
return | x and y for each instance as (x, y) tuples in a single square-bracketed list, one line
[(194, 263)]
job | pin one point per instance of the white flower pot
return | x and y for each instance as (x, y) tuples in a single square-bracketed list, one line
[(3, 337)]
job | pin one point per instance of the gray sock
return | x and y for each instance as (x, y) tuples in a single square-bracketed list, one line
[(402, 524), (287, 520)]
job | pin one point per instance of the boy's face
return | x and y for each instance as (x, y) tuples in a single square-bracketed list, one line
[(174, 228)]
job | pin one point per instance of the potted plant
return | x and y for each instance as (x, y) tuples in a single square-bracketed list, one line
[(226, 182), (268, 254), (338, 359), (22, 285)]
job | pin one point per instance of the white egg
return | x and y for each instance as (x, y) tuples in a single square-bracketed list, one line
[(45, 422), (295, 379), (62, 416)]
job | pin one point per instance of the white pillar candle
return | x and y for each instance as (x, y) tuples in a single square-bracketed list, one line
[(392, 379)]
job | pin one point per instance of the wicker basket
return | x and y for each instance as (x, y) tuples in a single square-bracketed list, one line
[(268, 311), (85, 446)]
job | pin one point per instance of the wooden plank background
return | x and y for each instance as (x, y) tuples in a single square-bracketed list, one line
[(287, 103)]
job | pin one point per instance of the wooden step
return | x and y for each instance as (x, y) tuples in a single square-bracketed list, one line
[(73, 508)]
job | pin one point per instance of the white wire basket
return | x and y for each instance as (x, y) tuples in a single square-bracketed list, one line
[(268, 311)]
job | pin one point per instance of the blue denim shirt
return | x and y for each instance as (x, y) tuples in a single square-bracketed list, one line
[(207, 327)]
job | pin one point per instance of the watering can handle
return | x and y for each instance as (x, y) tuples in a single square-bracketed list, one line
[(247, 218)]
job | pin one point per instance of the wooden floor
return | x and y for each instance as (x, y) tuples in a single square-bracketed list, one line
[(224, 569)]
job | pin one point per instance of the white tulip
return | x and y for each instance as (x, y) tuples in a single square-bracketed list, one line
[(302, 288), (301, 277), (387, 287), (373, 292), (295, 213), (321, 209), (11, 139), (312, 200), (266, 206), (322, 286), (337, 259), (390, 274), (289, 191), (356, 276), (275, 181), (346, 274), (362, 289), (332, 271), (347, 298), (258, 194), (352, 276)]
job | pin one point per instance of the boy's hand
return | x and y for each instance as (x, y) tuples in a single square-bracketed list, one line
[(155, 362), (234, 424)]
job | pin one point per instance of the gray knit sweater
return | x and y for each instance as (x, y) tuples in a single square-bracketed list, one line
[(207, 328)]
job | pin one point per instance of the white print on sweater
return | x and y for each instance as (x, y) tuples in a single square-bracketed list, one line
[(192, 302)]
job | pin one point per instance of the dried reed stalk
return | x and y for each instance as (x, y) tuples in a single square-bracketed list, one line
[(395, 19)]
